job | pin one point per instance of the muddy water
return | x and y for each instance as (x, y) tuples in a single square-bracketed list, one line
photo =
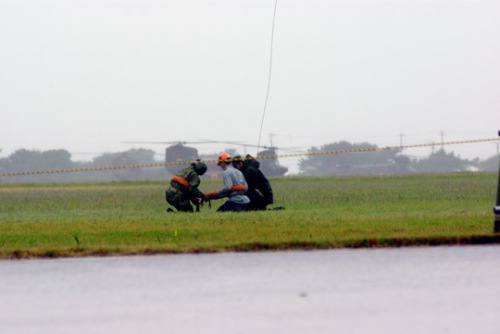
[(411, 290)]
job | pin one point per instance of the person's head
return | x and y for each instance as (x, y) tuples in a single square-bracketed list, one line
[(238, 162), (224, 160), (199, 167), (249, 160)]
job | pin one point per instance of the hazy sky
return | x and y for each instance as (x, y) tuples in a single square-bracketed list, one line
[(89, 75)]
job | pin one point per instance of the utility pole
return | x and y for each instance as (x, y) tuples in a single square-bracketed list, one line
[(442, 139), (271, 135), (401, 142), (496, 209)]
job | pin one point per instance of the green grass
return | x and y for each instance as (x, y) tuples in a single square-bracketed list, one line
[(48, 220)]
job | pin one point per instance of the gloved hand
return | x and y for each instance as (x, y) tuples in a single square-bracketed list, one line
[(206, 199), (196, 202)]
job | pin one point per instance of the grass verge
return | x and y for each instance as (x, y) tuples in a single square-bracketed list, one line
[(124, 218)]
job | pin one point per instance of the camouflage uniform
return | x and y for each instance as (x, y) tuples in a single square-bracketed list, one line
[(180, 196)]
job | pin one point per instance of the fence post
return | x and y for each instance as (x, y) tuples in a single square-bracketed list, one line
[(496, 209)]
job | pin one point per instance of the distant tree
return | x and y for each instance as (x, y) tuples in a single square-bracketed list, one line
[(490, 165), (31, 160), (131, 157), (56, 159), (24, 160), (343, 163), (443, 162)]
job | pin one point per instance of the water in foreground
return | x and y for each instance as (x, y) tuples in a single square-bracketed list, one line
[(408, 290)]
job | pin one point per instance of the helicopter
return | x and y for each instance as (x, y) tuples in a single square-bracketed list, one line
[(179, 151), (271, 167)]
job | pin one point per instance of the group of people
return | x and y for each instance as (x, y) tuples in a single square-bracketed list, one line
[(245, 186)]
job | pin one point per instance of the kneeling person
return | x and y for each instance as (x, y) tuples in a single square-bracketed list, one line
[(234, 186), (184, 187), (259, 190)]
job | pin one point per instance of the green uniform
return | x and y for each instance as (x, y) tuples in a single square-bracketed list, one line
[(184, 190)]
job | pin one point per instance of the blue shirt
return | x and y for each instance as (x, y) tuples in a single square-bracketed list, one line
[(233, 177)]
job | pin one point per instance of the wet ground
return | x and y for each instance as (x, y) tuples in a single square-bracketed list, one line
[(404, 290)]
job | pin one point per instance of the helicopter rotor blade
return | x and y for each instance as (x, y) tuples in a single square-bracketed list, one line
[(203, 141)]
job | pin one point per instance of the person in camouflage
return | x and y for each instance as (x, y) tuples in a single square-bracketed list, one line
[(184, 188)]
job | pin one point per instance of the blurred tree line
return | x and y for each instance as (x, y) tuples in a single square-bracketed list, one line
[(377, 162), (32, 160), (386, 162)]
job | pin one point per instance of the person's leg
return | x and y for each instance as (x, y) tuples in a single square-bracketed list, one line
[(179, 201), (257, 202), (185, 206), (230, 206), (172, 198)]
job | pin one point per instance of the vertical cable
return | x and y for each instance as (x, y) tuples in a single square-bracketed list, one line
[(269, 76)]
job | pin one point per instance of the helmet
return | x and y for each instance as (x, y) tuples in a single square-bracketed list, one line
[(199, 167), (236, 160), (223, 157)]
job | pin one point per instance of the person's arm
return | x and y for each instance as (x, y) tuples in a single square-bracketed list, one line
[(250, 178), (228, 184), (264, 187), (193, 188)]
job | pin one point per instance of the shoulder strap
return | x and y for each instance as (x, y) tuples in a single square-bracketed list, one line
[(181, 181)]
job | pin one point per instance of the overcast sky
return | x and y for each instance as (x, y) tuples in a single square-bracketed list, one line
[(90, 75)]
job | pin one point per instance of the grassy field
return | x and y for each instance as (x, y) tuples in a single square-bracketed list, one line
[(81, 219)]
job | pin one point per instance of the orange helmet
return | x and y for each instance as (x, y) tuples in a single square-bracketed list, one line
[(223, 157)]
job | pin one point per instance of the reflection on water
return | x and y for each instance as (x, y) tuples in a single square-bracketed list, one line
[(410, 290)]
